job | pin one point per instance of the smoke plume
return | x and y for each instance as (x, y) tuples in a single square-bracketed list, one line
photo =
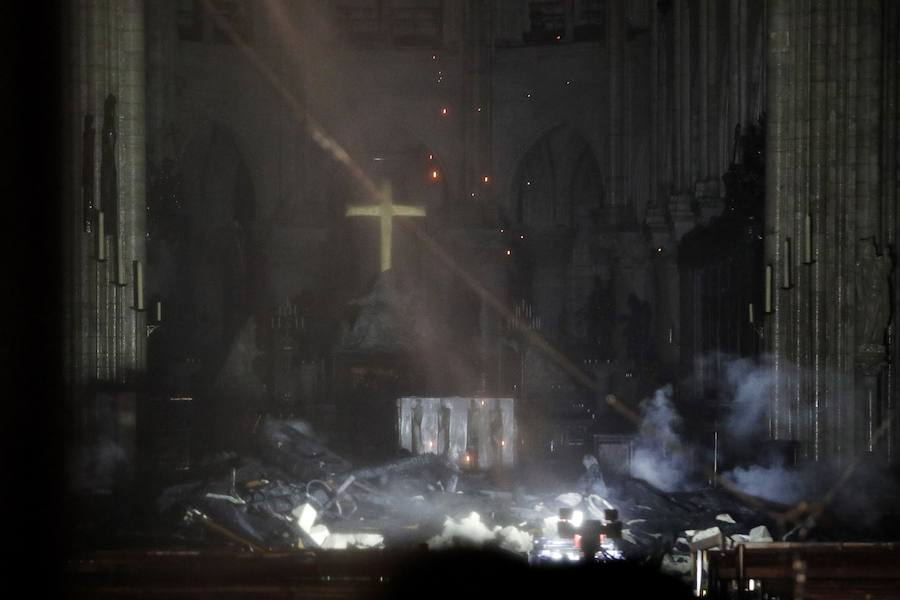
[(660, 457)]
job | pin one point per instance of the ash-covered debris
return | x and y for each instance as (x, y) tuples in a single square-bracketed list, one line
[(297, 493)]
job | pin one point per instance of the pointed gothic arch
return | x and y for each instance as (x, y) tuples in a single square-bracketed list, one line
[(558, 181)]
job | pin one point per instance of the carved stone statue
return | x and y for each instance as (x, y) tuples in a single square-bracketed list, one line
[(872, 293), (109, 179)]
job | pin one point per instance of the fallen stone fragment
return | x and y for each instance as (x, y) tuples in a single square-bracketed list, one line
[(319, 533), (740, 538), (707, 538), (725, 517), (760, 534), (306, 516)]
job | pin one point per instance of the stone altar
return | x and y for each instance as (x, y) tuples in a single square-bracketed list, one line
[(476, 430)]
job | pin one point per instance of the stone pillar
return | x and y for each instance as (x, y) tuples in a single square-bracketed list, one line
[(824, 118), (106, 57), (890, 183)]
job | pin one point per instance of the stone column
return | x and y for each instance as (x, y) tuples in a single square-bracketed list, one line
[(106, 58), (824, 100), (890, 134)]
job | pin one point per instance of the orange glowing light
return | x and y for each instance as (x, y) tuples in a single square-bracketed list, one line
[(508, 253), (431, 157), (486, 179), (444, 111), (434, 174), (502, 442)]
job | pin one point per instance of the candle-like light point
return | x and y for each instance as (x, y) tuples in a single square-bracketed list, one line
[(434, 174), (444, 111), (508, 252), (486, 179), (431, 157)]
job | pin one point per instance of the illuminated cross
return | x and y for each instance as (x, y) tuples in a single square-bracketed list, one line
[(385, 210)]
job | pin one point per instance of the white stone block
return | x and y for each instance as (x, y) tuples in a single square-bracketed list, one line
[(306, 516), (760, 534), (725, 517), (319, 533)]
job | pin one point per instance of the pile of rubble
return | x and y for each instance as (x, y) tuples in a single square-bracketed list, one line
[(296, 493), (293, 491)]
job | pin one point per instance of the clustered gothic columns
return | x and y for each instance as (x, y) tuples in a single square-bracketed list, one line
[(104, 51), (830, 221)]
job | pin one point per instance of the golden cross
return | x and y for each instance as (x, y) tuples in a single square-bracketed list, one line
[(385, 210)]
